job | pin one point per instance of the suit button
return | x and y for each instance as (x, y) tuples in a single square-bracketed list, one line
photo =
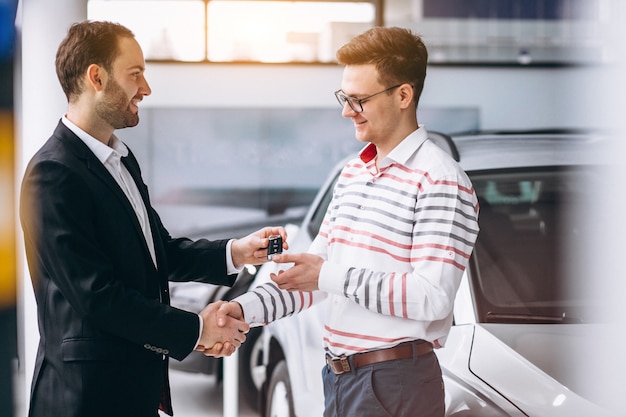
[(166, 351), (147, 346)]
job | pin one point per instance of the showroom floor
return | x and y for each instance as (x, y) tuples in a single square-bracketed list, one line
[(198, 395), (193, 395)]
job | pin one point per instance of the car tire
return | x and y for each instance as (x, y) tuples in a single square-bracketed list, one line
[(279, 395), (250, 359)]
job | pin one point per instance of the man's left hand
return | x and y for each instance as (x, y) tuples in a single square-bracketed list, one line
[(303, 276)]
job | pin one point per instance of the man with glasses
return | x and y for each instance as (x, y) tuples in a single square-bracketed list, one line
[(392, 248)]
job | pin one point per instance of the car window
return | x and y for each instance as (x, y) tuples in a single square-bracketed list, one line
[(320, 211), (521, 261)]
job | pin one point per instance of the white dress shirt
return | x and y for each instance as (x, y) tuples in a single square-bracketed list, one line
[(111, 158)]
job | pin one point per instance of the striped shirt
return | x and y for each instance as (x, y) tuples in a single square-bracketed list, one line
[(396, 241)]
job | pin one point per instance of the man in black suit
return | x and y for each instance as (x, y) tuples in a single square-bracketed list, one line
[(99, 256)]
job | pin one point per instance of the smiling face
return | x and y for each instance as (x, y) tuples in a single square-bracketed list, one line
[(380, 119), (125, 87)]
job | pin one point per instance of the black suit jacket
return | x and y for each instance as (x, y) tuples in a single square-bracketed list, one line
[(106, 327)]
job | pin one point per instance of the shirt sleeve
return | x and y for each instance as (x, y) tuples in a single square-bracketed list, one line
[(199, 332), (267, 303), (230, 266), (446, 229)]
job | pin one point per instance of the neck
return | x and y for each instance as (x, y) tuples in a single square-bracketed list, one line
[(383, 149), (90, 123)]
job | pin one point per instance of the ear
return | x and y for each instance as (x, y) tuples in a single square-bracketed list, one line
[(96, 76), (406, 95)]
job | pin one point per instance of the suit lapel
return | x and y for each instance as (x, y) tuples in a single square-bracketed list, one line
[(155, 226), (93, 164)]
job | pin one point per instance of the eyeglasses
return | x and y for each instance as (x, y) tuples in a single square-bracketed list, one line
[(356, 104)]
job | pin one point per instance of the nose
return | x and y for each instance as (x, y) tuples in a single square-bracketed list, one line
[(145, 88), (347, 111)]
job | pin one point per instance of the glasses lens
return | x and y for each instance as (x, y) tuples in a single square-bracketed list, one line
[(342, 99)]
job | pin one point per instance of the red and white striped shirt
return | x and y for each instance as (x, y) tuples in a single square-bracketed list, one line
[(396, 243)]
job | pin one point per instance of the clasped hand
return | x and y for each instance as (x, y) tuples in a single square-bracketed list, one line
[(224, 332), (223, 338)]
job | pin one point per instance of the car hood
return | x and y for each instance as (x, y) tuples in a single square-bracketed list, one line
[(544, 370)]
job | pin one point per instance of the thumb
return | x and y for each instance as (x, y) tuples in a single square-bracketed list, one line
[(221, 314), (284, 258)]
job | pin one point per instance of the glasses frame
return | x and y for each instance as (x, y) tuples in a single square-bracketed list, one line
[(353, 101)]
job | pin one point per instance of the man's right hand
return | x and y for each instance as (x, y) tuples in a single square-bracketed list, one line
[(229, 309), (223, 338)]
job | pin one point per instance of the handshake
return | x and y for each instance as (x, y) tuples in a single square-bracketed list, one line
[(224, 329)]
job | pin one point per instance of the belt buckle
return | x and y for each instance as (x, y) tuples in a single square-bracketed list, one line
[(339, 364)]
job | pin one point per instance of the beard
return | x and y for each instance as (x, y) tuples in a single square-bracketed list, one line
[(115, 107)]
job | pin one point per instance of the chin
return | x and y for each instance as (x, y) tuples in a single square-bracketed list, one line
[(361, 138)]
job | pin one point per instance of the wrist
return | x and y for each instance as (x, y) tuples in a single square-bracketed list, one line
[(242, 314), (235, 254)]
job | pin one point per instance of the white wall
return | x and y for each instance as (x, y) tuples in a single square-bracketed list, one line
[(508, 98)]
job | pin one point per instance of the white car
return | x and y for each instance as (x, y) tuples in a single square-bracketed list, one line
[(519, 333)]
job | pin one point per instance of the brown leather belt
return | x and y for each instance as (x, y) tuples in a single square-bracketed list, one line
[(343, 364)]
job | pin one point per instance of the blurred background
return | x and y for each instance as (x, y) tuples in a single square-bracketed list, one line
[(8, 255), (242, 127)]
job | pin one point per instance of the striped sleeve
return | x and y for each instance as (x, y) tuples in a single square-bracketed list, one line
[(267, 303), (419, 268)]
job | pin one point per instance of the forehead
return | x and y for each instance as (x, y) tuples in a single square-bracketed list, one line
[(130, 54), (358, 79)]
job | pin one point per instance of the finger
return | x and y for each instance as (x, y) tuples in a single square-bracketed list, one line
[(278, 258), (285, 258), (228, 350), (214, 350), (283, 233), (275, 278), (283, 285), (222, 314), (243, 327), (279, 278), (261, 254)]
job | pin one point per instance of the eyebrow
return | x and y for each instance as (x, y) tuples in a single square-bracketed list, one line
[(136, 67), (346, 94)]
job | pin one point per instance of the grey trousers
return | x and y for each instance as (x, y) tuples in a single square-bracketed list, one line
[(398, 388)]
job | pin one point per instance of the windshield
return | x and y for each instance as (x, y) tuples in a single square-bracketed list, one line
[(529, 229)]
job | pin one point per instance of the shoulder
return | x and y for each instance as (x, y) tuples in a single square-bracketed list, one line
[(432, 158)]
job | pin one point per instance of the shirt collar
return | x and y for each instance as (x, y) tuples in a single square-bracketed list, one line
[(401, 153), (115, 150)]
